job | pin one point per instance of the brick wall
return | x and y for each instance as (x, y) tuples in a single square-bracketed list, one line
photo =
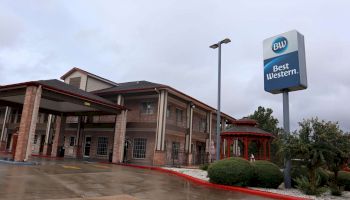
[(150, 136), (135, 114)]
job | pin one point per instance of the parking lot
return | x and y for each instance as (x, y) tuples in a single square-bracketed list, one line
[(93, 180)]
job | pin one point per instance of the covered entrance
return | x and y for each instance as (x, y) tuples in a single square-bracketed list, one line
[(59, 100)]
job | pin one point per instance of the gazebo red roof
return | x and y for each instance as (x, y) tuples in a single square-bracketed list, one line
[(246, 127)]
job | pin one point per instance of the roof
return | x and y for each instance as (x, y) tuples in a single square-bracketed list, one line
[(245, 127), (61, 87), (74, 69), (130, 86), (136, 86)]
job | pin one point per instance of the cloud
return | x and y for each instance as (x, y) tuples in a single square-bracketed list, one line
[(168, 42)]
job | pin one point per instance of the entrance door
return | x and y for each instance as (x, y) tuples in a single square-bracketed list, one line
[(87, 146), (9, 140), (42, 143)]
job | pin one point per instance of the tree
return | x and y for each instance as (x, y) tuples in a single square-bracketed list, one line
[(266, 121), (317, 144)]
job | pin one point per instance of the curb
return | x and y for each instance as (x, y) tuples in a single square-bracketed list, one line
[(18, 163), (217, 186), (47, 157)]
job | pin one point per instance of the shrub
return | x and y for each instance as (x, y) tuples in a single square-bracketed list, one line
[(335, 189), (299, 171), (344, 180), (266, 174), (305, 186), (232, 171), (204, 166)]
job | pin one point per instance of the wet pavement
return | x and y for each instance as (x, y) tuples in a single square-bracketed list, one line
[(89, 180)]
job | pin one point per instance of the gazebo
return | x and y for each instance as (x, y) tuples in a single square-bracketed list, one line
[(243, 139)]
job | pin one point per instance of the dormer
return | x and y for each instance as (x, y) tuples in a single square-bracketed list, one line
[(86, 81)]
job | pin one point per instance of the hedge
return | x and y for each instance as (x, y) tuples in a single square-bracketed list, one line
[(231, 171), (266, 174), (344, 180)]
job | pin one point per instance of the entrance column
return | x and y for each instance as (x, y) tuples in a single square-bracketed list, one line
[(159, 153), (4, 129), (59, 132), (47, 134), (28, 123), (77, 150), (119, 137)]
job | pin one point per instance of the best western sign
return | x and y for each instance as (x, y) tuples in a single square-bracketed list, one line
[(284, 63)]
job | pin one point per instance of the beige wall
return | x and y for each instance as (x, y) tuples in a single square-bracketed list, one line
[(77, 74), (87, 83), (94, 84)]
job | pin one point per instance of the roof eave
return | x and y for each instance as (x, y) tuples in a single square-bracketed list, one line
[(35, 83)]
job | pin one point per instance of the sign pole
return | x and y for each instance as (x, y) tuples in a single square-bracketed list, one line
[(284, 72), (287, 177)]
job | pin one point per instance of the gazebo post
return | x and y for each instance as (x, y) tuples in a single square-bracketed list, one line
[(246, 148), (268, 143), (229, 142), (264, 145)]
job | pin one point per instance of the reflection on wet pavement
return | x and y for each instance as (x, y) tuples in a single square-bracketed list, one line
[(82, 180)]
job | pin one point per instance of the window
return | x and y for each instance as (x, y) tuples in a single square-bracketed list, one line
[(71, 141), (139, 150), (202, 125), (175, 150), (178, 115), (75, 81), (168, 112), (147, 108), (102, 146)]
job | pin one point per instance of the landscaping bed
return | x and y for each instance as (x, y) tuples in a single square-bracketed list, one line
[(203, 175)]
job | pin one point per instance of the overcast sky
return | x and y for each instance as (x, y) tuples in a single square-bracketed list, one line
[(168, 42)]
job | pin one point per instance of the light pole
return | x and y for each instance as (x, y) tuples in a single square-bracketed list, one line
[(214, 46)]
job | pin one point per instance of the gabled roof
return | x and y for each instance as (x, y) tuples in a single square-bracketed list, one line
[(74, 69)]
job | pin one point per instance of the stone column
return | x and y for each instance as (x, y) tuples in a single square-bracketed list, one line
[(4, 129), (119, 137), (28, 123), (223, 124), (210, 128), (188, 140), (159, 153), (77, 150), (47, 134), (59, 133)]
